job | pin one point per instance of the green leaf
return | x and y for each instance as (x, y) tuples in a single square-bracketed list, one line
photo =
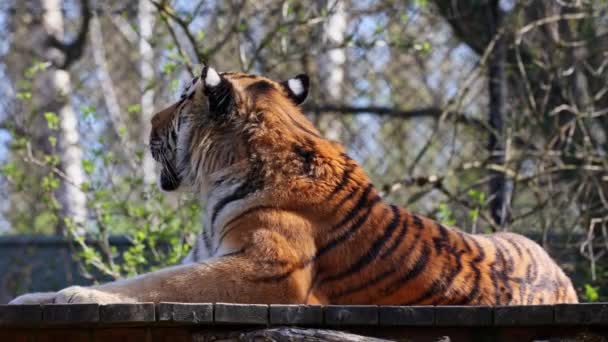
[(88, 111), (168, 68), (88, 166), (134, 109), (53, 141), (200, 35), (445, 215), (52, 120), (52, 159), (50, 183), (592, 293), (24, 95)]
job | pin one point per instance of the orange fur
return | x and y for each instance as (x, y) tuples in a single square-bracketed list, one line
[(292, 219)]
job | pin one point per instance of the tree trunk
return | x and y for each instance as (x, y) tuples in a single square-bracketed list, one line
[(72, 199), (499, 186), (146, 69), (107, 86), (332, 64)]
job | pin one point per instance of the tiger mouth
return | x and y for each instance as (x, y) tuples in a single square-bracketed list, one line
[(169, 178)]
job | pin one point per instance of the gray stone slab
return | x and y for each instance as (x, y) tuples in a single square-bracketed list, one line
[(227, 313), (20, 314), (406, 315), (296, 314), (523, 315), (70, 313), (127, 313), (185, 313), (583, 313), (469, 316), (351, 315)]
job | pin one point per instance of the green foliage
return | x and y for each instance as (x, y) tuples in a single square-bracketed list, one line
[(52, 120), (88, 111), (159, 231), (134, 108), (119, 202), (445, 215), (591, 293)]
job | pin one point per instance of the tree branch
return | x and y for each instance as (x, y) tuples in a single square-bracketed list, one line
[(73, 50), (406, 114)]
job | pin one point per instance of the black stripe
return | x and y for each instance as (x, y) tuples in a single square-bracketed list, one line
[(475, 289), (561, 288), (509, 264), (444, 282), (463, 238), (344, 200), (335, 242), (417, 221), (252, 183), (503, 275), (362, 203), (372, 252), (397, 265), (499, 286), (439, 285), (514, 245), (531, 275), (348, 170), (481, 253), (419, 266), (390, 250), (442, 241)]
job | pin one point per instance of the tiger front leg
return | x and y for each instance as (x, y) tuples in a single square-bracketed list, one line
[(227, 279)]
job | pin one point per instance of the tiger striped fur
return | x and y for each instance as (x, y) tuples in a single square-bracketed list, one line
[(292, 219)]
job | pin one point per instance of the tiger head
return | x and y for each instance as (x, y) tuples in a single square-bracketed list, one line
[(234, 125)]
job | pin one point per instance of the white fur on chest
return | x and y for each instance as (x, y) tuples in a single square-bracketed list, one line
[(204, 250)]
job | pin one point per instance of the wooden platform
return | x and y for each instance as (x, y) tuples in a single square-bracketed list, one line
[(174, 322)]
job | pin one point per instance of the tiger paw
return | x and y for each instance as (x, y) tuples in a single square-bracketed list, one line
[(34, 298), (71, 295), (78, 294)]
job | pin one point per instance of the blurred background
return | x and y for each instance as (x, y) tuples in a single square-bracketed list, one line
[(484, 114)]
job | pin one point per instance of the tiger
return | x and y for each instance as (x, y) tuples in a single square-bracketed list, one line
[(292, 219)]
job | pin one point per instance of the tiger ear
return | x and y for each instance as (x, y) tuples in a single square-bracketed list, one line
[(218, 91), (297, 88)]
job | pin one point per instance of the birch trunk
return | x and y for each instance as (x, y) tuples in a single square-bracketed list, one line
[(107, 86), (333, 63), (72, 199), (146, 69)]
